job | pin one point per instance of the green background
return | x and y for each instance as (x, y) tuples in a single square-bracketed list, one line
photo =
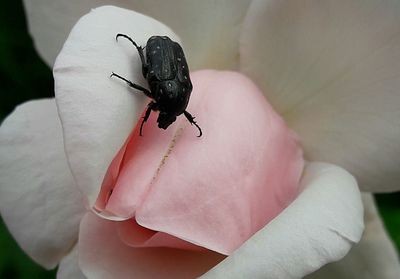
[(24, 76)]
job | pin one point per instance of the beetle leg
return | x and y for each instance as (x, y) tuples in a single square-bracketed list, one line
[(133, 85), (191, 120), (140, 50), (150, 106)]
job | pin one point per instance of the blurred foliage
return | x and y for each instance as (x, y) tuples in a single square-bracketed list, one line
[(389, 207), (23, 76), (14, 263)]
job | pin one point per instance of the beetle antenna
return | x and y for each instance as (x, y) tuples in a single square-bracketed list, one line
[(128, 38), (190, 118)]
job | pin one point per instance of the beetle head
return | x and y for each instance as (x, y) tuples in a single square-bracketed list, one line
[(165, 119)]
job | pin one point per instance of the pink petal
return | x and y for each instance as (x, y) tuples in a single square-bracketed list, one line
[(236, 178), (133, 234), (103, 255), (317, 228), (142, 169)]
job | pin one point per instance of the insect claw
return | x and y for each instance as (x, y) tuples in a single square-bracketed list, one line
[(192, 122), (201, 132)]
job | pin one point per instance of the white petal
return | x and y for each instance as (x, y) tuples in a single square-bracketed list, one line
[(49, 23), (39, 200), (373, 257), (98, 112), (209, 29), (319, 227), (332, 69), (69, 266)]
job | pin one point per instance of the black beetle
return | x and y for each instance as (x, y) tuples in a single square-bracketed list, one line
[(167, 73)]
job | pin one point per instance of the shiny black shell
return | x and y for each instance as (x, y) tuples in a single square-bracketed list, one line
[(165, 68), (168, 74)]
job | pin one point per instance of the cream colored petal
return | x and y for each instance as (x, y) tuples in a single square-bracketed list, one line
[(209, 29), (98, 112), (319, 227), (39, 200), (333, 71), (373, 257)]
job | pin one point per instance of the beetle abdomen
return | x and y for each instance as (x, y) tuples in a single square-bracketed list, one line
[(161, 58), (182, 66)]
